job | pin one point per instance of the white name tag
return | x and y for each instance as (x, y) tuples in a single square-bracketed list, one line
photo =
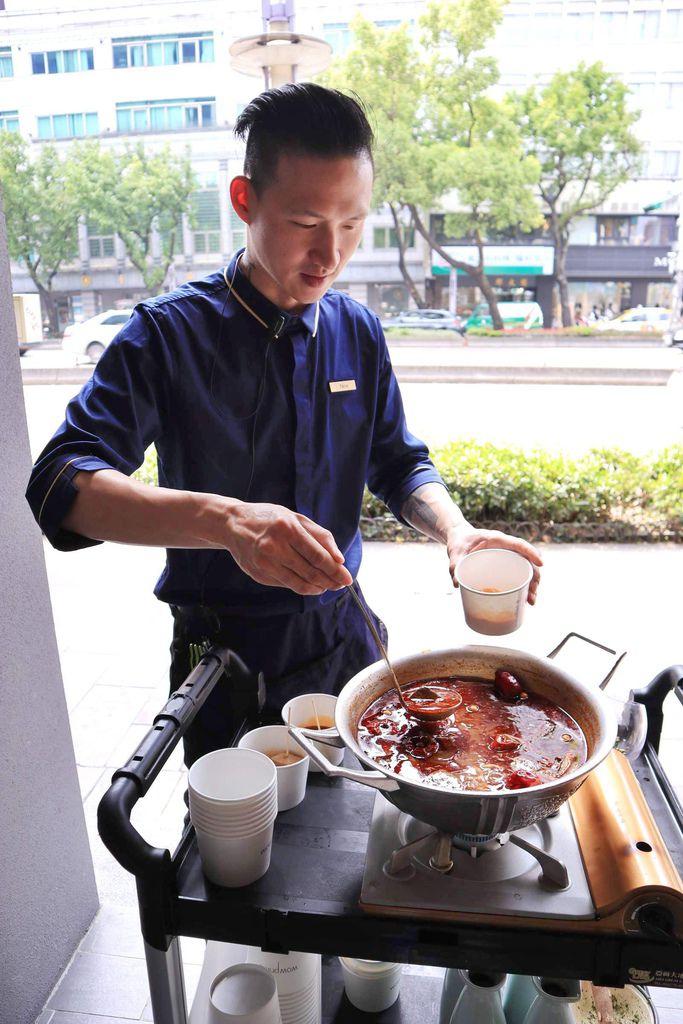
[(342, 385)]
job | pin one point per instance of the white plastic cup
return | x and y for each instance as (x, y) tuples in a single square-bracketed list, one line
[(371, 985), (291, 778), (303, 714), (234, 862), (494, 584), (244, 994)]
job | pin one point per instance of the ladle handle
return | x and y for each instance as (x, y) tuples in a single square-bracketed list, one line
[(376, 637), (375, 780), (615, 666)]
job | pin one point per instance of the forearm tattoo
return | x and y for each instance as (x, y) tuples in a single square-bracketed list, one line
[(423, 517)]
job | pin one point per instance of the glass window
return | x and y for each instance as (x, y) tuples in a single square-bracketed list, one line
[(154, 54), (238, 231), (60, 126), (44, 128), (123, 120), (170, 53), (208, 114), (643, 94), (205, 50), (92, 126), (612, 25), (189, 52), (137, 56), (120, 56), (674, 24), (338, 35), (71, 60), (54, 66), (379, 240), (664, 163), (75, 124), (515, 24), (175, 117), (580, 25), (548, 25), (139, 120), (6, 68), (191, 117), (158, 118), (645, 24), (38, 63), (671, 95), (87, 60)]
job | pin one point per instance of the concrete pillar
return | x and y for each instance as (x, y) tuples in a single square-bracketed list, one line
[(49, 896)]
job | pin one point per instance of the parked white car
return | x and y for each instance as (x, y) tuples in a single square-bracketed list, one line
[(91, 337), (637, 320)]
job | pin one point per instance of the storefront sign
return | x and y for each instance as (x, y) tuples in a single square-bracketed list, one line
[(500, 259)]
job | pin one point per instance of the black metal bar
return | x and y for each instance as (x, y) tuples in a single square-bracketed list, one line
[(653, 696)]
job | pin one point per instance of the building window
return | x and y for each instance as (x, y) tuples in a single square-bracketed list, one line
[(338, 35), (638, 230), (645, 24), (663, 163), (238, 231), (155, 51), (165, 115), (547, 25), (642, 93), (9, 120), (515, 25), (612, 25), (6, 68), (674, 23), (385, 238), (101, 246), (671, 95), (57, 62), (67, 126), (207, 221), (580, 25)]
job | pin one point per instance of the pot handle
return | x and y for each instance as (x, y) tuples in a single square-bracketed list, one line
[(615, 666), (375, 780)]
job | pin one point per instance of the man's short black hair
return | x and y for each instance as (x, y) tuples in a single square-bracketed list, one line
[(303, 119)]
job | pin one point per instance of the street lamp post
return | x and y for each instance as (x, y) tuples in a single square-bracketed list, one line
[(279, 53)]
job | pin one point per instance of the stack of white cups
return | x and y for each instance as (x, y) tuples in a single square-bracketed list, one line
[(233, 806), (298, 980)]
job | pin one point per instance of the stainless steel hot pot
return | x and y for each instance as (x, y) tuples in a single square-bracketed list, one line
[(476, 813)]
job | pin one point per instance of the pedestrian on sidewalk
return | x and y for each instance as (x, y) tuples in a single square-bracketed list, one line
[(271, 401)]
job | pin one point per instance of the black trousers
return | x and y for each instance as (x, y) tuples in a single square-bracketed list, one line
[(316, 651)]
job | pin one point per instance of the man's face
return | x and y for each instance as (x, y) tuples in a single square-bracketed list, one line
[(305, 225)]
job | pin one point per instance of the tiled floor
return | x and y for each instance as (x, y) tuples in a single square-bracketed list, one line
[(113, 636)]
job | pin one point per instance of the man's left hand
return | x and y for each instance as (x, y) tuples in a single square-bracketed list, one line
[(464, 539)]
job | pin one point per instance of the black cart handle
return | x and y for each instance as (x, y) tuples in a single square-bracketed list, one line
[(132, 781), (653, 696)]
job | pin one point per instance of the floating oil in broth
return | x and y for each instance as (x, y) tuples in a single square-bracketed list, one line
[(491, 743)]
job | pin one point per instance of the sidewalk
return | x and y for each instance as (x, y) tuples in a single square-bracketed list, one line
[(500, 360), (113, 638)]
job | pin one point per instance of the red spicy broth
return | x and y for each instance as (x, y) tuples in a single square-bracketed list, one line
[(490, 743)]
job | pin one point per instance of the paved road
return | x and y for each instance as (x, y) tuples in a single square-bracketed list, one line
[(569, 418)]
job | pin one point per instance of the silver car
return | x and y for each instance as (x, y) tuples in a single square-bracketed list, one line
[(429, 319)]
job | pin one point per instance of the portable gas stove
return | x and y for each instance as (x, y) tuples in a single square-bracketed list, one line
[(599, 864)]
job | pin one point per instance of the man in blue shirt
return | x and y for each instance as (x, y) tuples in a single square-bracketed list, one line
[(271, 402)]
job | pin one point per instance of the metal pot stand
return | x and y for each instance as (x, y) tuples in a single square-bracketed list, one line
[(309, 898)]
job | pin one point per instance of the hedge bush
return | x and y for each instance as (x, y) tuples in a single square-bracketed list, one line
[(605, 494)]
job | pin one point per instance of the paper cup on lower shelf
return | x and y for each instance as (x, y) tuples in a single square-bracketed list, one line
[(494, 584), (244, 994), (291, 777), (371, 985), (306, 711)]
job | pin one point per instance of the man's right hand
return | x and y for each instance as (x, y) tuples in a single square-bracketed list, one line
[(281, 548)]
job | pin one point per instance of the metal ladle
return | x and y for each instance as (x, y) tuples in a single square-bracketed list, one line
[(411, 705)]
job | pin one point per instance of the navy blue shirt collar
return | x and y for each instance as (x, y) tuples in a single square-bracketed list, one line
[(267, 310)]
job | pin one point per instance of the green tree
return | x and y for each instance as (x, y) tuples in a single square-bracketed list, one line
[(42, 207), (442, 141), (579, 129), (141, 196)]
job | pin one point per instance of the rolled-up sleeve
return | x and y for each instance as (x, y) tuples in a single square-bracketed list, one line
[(108, 425), (399, 461)]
